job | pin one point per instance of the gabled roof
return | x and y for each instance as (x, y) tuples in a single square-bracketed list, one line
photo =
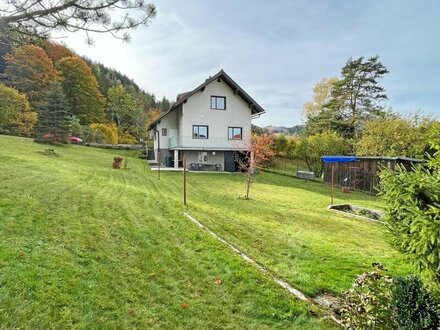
[(256, 109)]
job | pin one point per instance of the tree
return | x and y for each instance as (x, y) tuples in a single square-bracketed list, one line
[(31, 71), (314, 111), (313, 147), (412, 200), (121, 107), (144, 120), (55, 118), (81, 90), (56, 51), (103, 133), (392, 136), (356, 96), (40, 17), (257, 152), (16, 117)]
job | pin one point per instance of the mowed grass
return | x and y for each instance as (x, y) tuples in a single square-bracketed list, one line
[(84, 246), (287, 227), (288, 166)]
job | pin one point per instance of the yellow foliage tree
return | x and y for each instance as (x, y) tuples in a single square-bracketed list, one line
[(392, 137), (16, 117), (104, 133)]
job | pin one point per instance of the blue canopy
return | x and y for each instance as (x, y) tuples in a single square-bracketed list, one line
[(338, 159)]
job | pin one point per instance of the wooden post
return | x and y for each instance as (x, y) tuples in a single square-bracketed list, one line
[(158, 166), (333, 182), (184, 180), (158, 153)]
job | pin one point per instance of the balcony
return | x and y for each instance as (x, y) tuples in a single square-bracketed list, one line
[(212, 143)]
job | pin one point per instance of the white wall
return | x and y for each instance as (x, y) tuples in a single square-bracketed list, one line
[(197, 111), (170, 122)]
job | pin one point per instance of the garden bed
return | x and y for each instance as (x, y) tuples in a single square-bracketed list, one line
[(359, 212)]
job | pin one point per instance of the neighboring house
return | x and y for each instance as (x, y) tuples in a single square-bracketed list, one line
[(207, 125)]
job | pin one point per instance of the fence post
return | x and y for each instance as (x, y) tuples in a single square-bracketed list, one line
[(184, 180), (333, 182)]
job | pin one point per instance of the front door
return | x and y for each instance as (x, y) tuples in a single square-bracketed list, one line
[(229, 161)]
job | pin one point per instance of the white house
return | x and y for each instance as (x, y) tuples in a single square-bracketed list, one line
[(206, 125)]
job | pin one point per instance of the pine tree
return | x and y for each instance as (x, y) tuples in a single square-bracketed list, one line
[(55, 117)]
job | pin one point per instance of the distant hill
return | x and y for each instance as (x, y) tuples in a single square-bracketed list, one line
[(294, 130)]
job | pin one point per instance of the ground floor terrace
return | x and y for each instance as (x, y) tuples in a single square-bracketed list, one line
[(198, 160)]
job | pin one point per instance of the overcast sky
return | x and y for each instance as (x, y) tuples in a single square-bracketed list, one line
[(278, 50)]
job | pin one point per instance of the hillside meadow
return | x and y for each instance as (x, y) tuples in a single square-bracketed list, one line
[(87, 246)]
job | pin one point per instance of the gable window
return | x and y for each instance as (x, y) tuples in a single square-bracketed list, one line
[(200, 132), (235, 133), (164, 132), (218, 102), (203, 157)]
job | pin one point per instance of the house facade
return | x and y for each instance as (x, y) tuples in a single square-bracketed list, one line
[(207, 125)]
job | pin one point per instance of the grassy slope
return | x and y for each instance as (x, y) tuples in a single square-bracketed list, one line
[(288, 228), (115, 249), (86, 246)]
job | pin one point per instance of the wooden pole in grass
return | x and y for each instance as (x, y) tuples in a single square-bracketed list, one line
[(333, 182), (184, 180)]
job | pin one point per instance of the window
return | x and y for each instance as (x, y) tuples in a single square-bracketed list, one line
[(203, 157), (218, 102), (235, 133), (164, 131), (200, 132)]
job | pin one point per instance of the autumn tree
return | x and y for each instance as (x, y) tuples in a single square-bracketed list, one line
[(143, 120), (16, 116), (32, 72), (41, 17), (55, 118), (81, 89), (56, 51), (311, 148), (393, 136), (317, 118), (356, 97), (258, 151)]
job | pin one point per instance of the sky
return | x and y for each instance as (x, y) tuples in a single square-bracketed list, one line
[(277, 50)]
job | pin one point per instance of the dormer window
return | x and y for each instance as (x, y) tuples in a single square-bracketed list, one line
[(218, 102)]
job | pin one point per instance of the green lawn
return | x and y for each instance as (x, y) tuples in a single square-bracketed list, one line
[(86, 246), (288, 166)]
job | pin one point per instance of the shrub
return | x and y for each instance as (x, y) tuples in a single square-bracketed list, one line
[(125, 138), (413, 215), (367, 305), (103, 133), (377, 301), (414, 308)]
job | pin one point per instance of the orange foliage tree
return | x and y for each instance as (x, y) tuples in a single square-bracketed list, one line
[(31, 71), (258, 151), (56, 51), (81, 89)]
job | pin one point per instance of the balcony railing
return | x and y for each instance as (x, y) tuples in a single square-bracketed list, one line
[(210, 143), (173, 142)]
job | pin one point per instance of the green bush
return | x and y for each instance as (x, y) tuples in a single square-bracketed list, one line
[(414, 308), (377, 301), (413, 215)]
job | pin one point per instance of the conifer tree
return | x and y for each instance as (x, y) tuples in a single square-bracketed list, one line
[(55, 117)]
